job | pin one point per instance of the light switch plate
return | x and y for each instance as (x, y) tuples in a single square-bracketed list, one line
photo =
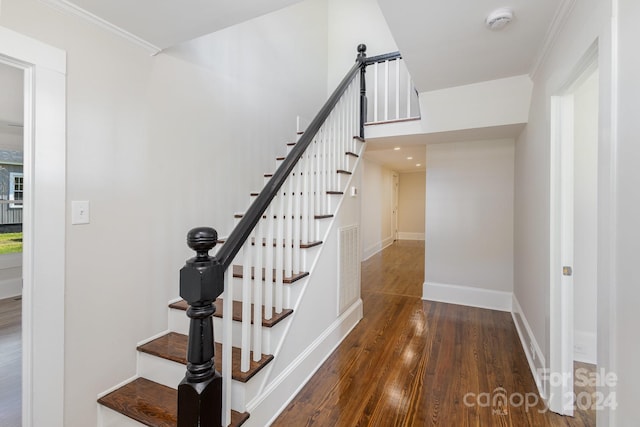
[(80, 212)]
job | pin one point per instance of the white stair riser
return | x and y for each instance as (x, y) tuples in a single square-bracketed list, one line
[(110, 418), (170, 373), (179, 322), (307, 255)]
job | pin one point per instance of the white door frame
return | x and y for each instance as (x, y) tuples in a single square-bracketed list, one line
[(44, 213), (394, 213), (559, 379)]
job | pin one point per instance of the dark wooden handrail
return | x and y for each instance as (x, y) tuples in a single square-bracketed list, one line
[(382, 58), (241, 232), (202, 278)]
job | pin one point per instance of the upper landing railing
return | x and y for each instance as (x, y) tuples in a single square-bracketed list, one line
[(391, 96)]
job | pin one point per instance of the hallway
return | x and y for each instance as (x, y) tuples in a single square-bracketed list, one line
[(415, 363)]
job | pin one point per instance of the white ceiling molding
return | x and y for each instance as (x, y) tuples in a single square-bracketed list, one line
[(559, 19), (66, 6)]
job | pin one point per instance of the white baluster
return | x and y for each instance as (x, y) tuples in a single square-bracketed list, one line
[(375, 92), (280, 243), (397, 89), (227, 344), (386, 90), (246, 306), (268, 261), (305, 196), (288, 233), (297, 213), (257, 292), (409, 92)]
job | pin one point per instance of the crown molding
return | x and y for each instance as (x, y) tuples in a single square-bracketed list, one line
[(67, 7), (559, 20)]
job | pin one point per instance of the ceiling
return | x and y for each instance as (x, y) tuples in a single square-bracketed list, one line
[(400, 158), (446, 43), (159, 24)]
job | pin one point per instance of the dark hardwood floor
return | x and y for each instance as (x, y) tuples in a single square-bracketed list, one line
[(418, 363), (10, 362)]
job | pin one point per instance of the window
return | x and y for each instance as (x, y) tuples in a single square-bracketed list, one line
[(16, 189)]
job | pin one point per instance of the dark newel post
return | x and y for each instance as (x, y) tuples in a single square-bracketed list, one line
[(362, 49), (201, 282)]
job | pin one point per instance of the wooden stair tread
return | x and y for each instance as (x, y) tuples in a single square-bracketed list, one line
[(173, 346), (152, 404), (335, 192), (237, 273), (237, 312), (264, 243), (344, 172), (359, 139), (349, 153)]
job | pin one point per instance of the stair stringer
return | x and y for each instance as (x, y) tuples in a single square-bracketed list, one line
[(314, 329)]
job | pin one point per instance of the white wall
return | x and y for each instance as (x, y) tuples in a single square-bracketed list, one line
[(588, 23), (469, 217), (627, 247), (411, 205), (585, 271), (377, 206), (159, 145), (11, 107), (352, 22), (484, 105)]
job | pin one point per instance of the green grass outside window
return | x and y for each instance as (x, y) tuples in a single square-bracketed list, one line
[(10, 243)]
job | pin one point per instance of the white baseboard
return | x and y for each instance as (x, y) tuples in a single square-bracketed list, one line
[(298, 373), (585, 347), (535, 358), (465, 295), (403, 235), (371, 250), (10, 288)]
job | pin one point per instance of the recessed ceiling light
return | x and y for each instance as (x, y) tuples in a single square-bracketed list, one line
[(498, 19), (418, 165), (409, 158), (396, 148)]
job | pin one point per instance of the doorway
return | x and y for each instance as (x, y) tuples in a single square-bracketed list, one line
[(43, 215), (574, 238), (394, 212), (11, 196)]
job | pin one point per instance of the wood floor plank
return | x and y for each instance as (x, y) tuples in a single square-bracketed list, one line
[(419, 363)]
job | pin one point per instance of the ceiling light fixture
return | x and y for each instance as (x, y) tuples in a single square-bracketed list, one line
[(409, 158), (498, 19), (396, 148), (418, 165)]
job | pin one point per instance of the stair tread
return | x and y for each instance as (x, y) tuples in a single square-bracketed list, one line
[(264, 243), (152, 404), (173, 346), (349, 153), (237, 312), (237, 273)]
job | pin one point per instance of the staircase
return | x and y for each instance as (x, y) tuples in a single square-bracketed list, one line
[(288, 265)]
